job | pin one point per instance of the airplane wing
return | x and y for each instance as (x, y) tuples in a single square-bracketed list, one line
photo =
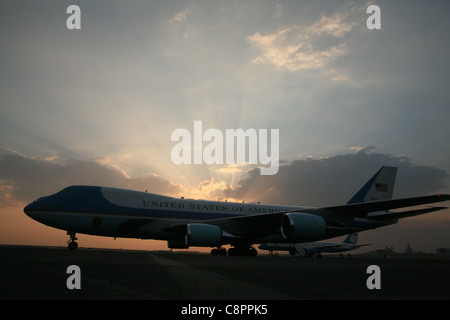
[(344, 213), (263, 224), (361, 209)]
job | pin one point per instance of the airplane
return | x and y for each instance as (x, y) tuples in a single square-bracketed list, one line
[(184, 223), (310, 249)]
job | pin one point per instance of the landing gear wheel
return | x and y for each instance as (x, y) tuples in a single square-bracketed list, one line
[(219, 252), (72, 245), (252, 252), (232, 252)]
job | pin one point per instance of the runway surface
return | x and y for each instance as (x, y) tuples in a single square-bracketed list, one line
[(41, 273)]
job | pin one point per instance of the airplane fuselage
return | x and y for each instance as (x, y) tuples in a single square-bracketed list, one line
[(114, 212)]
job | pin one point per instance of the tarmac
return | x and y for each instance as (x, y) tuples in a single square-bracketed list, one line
[(41, 273)]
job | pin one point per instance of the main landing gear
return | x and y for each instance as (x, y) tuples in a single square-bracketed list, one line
[(72, 245), (219, 252), (235, 251)]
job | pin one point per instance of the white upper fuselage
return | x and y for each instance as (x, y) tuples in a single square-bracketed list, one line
[(116, 212)]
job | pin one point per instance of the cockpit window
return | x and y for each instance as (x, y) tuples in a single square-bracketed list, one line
[(67, 189)]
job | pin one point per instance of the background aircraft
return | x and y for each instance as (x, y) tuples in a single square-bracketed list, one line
[(310, 249), (112, 212)]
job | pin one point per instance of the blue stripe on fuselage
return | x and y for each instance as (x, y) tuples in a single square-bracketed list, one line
[(73, 199), (89, 199)]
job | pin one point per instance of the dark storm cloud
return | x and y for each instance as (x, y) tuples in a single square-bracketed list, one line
[(24, 179), (335, 179)]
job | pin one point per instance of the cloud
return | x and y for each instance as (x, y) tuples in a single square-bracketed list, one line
[(232, 168), (210, 189), (181, 16), (334, 180), (294, 48), (335, 25), (102, 160), (293, 56), (24, 179), (278, 10)]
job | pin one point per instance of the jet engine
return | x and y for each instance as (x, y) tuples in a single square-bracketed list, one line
[(302, 227), (203, 235)]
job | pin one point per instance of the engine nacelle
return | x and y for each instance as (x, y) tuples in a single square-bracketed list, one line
[(203, 235), (302, 227)]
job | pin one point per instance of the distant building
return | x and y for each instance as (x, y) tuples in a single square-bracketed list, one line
[(388, 252), (409, 249)]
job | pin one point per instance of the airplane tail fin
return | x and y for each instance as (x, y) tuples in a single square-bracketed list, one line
[(379, 187), (352, 238)]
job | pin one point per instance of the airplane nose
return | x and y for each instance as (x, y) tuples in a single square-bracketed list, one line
[(29, 208), (33, 207), (39, 210)]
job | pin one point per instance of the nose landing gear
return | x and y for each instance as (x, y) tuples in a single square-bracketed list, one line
[(72, 245)]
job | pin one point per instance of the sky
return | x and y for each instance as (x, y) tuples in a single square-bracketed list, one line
[(98, 105)]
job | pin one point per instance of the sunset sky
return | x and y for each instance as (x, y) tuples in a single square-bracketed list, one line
[(98, 105)]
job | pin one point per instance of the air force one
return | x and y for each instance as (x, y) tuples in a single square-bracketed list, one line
[(310, 249), (184, 223)]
